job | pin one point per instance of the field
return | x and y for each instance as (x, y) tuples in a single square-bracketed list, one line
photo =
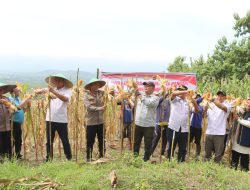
[(132, 174)]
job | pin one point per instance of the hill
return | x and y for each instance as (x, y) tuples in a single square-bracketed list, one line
[(36, 79)]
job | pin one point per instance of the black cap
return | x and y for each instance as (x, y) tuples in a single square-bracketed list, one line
[(182, 88), (197, 96), (222, 93), (149, 83)]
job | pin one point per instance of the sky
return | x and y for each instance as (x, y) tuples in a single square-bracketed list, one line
[(113, 35)]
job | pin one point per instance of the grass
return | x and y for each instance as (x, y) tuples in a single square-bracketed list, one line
[(132, 174)]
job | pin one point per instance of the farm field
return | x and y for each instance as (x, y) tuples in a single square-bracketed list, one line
[(132, 174)]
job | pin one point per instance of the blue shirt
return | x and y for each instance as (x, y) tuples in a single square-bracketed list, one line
[(166, 108), (19, 114), (196, 121), (128, 113)]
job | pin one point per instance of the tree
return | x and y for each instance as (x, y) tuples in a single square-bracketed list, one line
[(219, 64), (229, 60), (200, 67), (242, 25), (178, 65)]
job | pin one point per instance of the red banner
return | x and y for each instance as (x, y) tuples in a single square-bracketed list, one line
[(172, 79)]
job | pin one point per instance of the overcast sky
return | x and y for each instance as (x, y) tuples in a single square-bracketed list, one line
[(114, 35)]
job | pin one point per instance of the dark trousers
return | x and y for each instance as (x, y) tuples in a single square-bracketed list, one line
[(214, 143), (157, 136), (181, 139), (17, 135), (243, 158), (5, 144), (62, 130), (92, 131), (127, 130), (225, 144), (147, 133), (195, 133)]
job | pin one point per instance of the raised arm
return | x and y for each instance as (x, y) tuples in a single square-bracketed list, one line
[(24, 103), (152, 101), (64, 98), (177, 93), (196, 108), (220, 105)]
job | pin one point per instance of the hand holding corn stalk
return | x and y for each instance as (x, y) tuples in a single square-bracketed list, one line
[(163, 87)]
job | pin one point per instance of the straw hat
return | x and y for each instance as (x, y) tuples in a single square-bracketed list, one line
[(100, 83), (7, 87), (68, 83)]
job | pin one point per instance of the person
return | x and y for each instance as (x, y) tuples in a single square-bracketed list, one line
[(94, 103), (179, 122), (18, 119), (59, 88), (217, 114), (5, 128), (128, 117), (241, 143), (145, 119), (162, 119), (196, 126)]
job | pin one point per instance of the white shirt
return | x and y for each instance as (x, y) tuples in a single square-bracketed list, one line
[(179, 115), (146, 111), (217, 119), (59, 108)]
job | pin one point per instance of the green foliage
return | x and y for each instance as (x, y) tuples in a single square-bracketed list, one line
[(25, 87), (228, 60), (242, 25), (178, 65), (233, 86), (228, 67)]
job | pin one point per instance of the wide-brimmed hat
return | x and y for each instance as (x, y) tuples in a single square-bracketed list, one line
[(7, 87), (68, 83), (100, 83)]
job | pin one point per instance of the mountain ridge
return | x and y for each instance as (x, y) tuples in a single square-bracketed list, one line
[(37, 79)]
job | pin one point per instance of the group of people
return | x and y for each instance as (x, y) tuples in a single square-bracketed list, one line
[(174, 118), (177, 118), (9, 105), (12, 116)]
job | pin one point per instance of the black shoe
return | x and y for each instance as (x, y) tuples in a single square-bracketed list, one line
[(88, 160), (69, 157), (19, 156), (48, 159)]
